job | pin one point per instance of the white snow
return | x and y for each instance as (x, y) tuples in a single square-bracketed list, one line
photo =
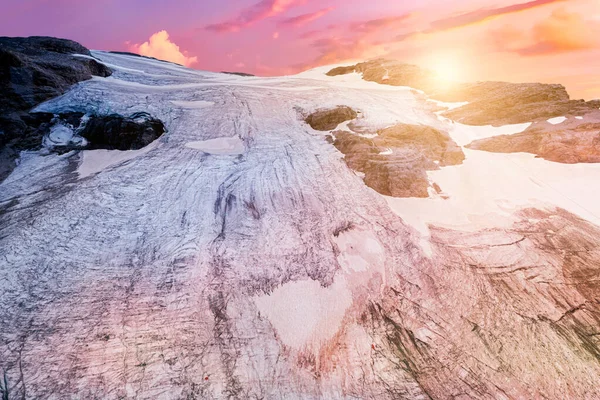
[(223, 145), (488, 187), (62, 135), (447, 105), (198, 104), (465, 134), (557, 120), (578, 117), (171, 241), (359, 251), (304, 313), (94, 161)]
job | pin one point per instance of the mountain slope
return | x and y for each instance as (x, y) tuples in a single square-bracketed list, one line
[(238, 256)]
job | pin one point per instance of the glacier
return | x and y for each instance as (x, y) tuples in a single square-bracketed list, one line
[(239, 257)]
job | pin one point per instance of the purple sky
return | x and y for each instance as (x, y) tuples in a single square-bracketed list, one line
[(536, 40)]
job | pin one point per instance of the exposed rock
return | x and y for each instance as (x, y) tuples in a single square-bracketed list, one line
[(395, 162), (326, 120), (33, 70), (244, 74), (570, 142), (277, 273), (115, 132), (502, 103), (128, 53), (525, 296), (391, 73), (490, 103)]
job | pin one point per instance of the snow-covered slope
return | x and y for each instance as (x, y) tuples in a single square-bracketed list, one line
[(239, 257)]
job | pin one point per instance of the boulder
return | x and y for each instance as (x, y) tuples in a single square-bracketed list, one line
[(326, 120)]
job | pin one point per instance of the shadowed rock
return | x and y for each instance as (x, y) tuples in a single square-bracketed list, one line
[(244, 74), (326, 120), (33, 70), (115, 132), (573, 141), (395, 162)]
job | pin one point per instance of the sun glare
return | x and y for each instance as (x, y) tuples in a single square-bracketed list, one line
[(447, 69)]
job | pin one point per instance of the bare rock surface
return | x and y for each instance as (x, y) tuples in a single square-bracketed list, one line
[(33, 70), (395, 161), (326, 120), (572, 141), (274, 271), (489, 103)]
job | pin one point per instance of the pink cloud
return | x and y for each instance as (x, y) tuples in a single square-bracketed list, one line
[(380, 23), (485, 14), (160, 46), (304, 19), (561, 32), (251, 15)]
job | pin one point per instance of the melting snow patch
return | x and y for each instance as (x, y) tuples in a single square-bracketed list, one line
[(557, 120), (306, 313), (359, 251), (94, 161), (578, 117), (225, 145)]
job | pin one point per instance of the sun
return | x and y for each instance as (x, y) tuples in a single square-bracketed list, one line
[(448, 69), (448, 72)]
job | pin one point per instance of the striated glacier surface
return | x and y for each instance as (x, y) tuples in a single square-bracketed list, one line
[(239, 257)]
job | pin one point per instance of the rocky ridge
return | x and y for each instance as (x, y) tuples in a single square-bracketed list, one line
[(572, 141), (489, 103)]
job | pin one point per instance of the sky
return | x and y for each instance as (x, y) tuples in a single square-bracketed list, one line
[(553, 41)]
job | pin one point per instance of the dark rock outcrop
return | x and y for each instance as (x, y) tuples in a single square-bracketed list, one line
[(326, 120), (115, 132), (573, 141), (110, 132), (244, 74), (33, 70), (395, 162), (490, 103)]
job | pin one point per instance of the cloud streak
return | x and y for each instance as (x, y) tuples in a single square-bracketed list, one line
[(380, 23), (304, 19), (561, 32), (251, 15), (485, 14)]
